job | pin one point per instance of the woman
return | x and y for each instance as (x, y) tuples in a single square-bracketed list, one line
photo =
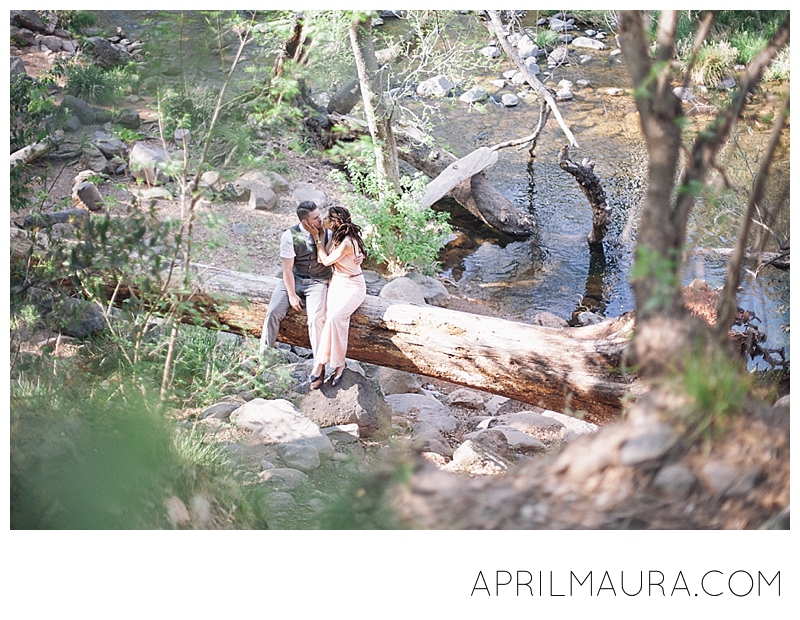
[(346, 292)]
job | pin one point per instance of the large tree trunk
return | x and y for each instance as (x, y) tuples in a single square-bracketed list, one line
[(571, 369)]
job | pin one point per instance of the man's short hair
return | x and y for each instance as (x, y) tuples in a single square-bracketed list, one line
[(304, 208)]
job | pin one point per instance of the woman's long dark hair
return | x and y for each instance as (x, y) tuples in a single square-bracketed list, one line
[(342, 226)]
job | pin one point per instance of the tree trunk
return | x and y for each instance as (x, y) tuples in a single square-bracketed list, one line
[(571, 369), (378, 117)]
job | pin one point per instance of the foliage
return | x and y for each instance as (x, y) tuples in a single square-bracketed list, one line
[(714, 62), (91, 83), (397, 230), (30, 106), (546, 38), (780, 69), (75, 21), (88, 453), (717, 385)]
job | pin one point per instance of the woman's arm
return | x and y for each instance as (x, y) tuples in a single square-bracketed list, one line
[(335, 255)]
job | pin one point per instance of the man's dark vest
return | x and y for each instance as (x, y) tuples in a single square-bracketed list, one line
[(306, 264)]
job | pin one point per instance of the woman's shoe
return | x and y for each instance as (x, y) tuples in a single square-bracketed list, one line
[(316, 382), (336, 378)]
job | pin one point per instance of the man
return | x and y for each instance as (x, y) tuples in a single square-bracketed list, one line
[(305, 279)]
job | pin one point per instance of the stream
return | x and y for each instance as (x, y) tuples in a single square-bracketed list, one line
[(555, 271)]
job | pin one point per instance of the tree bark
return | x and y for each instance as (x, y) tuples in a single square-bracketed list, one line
[(378, 117), (571, 369)]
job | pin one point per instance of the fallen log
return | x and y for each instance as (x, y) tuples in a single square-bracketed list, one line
[(573, 369)]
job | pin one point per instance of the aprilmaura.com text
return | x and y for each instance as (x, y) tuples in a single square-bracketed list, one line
[(655, 583)]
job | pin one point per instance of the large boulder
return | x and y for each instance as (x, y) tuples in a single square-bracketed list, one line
[(434, 292), (438, 86), (148, 164), (403, 289), (353, 401), (82, 110), (280, 422)]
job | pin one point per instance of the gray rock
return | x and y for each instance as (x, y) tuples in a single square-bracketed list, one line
[(730, 480), (518, 441), (590, 318), (564, 94), (650, 443), (403, 289), (675, 480), (494, 404), (572, 424), (76, 217), (490, 51), (278, 503), (548, 319), (531, 422), (298, 455), (782, 402), (477, 459), (104, 53), (93, 159), (422, 409), (210, 178), (343, 433), (308, 191), (52, 42), (279, 421), (586, 42), (493, 440), (393, 381), (87, 194), (79, 108), (79, 318), (509, 100), (434, 292), (262, 198), (129, 118), (353, 401), (463, 397), (30, 20), (177, 514), (220, 411), (474, 94), (615, 92), (558, 56), (148, 164), (182, 136), (109, 145), (148, 195), (283, 478), (438, 86)]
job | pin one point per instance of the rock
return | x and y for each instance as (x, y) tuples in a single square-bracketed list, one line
[(148, 164), (177, 514), (109, 145), (518, 441), (403, 289), (519, 78), (564, 94), (104, 53), (76, 217), (87, 195), (210, 178), (532, 423), (509, 75), (509, 100), (82, 110), (262, 198), (343, 433), (730, 480), (572, 424), (586, 42), (532, 66), (675, 480), (650, 443), (182, 136), (393, 381), (30, 20), (464, 397), (493, 440), (304, 457), (490, 51), (558, 56), (149, 195), (93, 159), (52, 42), (129, 118), (422, 408), (438, 86), (282, 478), (353, 401), (494, 404), (474, 94), (526, 48), (782, 403), (79, 318), (615, 92), (476, 459), (548, 319), (589, 318), (279, 422), (434, 292), (308, 191), (220, 411)]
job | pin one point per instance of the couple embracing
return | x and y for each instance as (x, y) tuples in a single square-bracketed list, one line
[(321, 269)]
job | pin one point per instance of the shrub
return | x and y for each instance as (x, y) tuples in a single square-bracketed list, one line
[(398, 232), (91, 83), (75, 21), (714, 62)]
